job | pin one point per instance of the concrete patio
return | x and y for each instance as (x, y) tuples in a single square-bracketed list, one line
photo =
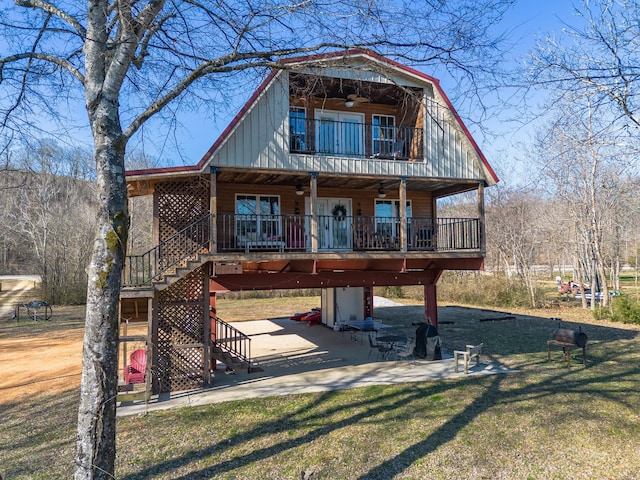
[(292, 357)]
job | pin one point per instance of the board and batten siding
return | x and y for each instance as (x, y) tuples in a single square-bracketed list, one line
[(260, 140)]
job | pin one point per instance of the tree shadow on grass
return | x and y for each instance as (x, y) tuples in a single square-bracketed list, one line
[(611, 363)]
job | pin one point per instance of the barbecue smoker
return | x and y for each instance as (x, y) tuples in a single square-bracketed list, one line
[(568, 339)]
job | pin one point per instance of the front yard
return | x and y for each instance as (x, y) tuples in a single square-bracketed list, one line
[(545, 421)]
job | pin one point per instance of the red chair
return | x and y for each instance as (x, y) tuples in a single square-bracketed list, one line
[(136, 371)]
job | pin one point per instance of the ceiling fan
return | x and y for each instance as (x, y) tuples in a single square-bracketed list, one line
[(354, 99)]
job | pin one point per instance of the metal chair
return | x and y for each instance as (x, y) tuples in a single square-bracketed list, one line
[(382, 348)]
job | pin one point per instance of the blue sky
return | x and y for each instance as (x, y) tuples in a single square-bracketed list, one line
[(527, 20)]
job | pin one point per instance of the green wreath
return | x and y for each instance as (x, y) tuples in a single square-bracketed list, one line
[(339, 212)]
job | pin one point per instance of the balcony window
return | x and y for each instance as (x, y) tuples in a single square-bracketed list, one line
[(257, 218), (340, 133), (383, 134), (388, 217), (298, 129)]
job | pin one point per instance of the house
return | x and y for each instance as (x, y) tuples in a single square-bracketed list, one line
[(327, 178)]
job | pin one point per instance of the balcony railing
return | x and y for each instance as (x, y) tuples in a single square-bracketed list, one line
[(143, 269), (284, 233), (292, 233), (350, 139)]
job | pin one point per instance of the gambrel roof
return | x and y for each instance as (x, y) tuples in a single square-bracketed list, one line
[(233, 144)]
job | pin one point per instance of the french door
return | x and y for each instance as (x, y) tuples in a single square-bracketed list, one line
[(334, 223), (340, 133)]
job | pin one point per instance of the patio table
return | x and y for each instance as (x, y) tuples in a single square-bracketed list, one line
[(393, 341), (367, 326)]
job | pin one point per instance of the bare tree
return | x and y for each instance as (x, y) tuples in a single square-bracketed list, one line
[(599, 58), (131, 61), (54, 214), (586, 164), (515, 234)]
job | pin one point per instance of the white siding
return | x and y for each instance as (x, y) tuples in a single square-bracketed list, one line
[(260, 141)]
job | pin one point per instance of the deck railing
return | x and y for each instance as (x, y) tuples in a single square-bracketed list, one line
[(233, 341), (144, 268), (285, 233), (292, 233), (327, 137)]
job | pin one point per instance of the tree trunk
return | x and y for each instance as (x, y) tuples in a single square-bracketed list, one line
[(96, 438)]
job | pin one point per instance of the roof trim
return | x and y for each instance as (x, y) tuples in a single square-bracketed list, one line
[(315, 59)]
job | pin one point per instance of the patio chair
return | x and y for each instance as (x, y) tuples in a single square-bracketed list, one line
[(136, 371), (406, 351), (382, 348)]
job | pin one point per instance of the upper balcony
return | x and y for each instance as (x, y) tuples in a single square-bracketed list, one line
[(327, 136)]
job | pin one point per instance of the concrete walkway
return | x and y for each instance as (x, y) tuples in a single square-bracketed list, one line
[(292, 357)]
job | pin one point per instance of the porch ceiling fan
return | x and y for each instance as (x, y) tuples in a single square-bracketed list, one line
[(354, 99)]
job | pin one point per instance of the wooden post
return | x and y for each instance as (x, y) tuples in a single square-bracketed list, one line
[(431, 304), (206, 334), (314, 212), (403, 214), (213, 211), (153, 383), (481, 224), (212, 324)]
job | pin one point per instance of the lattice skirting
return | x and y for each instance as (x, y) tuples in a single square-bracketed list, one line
[(180, 334), (180, 368)]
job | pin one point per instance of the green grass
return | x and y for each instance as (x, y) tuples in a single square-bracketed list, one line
[(544, 421)]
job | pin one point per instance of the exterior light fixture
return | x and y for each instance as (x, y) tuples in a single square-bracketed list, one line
[(349, 103), (381, 192), (299, 190)]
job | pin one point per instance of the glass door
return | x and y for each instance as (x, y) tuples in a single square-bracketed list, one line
[(334, 227), (340, 133)]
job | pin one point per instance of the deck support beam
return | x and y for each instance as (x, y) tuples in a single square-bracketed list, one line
[(430, 304)]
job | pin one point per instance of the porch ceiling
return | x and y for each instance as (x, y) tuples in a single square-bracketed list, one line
[(303, 85), (439, 186)]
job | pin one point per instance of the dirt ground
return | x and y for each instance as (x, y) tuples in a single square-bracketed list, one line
[(33, 365)]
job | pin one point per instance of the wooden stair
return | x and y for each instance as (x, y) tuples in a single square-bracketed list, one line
[(175, 274), (230, 360)]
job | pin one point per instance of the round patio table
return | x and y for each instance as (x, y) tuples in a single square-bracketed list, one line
[(392, 341)]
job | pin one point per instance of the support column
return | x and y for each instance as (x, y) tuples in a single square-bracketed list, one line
[(212, 315), (431, 304), (213, 211), (152, 315), (481, 224), (206, 333), (403, 214), (313, 204)]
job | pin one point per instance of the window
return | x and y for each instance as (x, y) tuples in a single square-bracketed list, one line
[(257, 217), (388, 217), (383, 134), (298, 129)]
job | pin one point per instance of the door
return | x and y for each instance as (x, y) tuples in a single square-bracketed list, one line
[(334, 223), (340, 133)]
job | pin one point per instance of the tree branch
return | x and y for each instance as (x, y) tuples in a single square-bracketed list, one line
[(53, 10)]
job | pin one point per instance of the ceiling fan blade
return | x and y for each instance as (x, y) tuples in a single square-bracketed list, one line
[(355, 98)]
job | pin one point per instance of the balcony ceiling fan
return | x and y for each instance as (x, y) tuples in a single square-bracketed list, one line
[(354, 99)]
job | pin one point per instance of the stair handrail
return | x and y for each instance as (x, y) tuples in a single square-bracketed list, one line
[(145, 268), (233, 341)]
